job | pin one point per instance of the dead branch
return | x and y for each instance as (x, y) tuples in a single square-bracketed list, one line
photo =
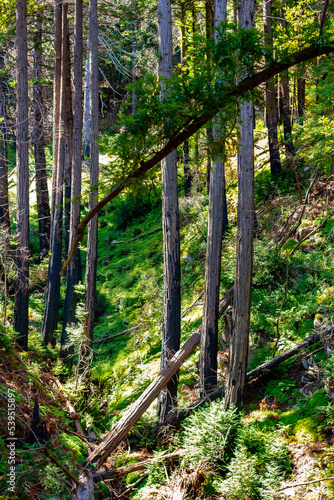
[(192, 305), (307, 482), (115, 242), (99, 341), (62, 467), (311, 233), (127, 469), (247, 84)]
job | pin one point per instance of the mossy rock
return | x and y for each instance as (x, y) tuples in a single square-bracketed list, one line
[(307, 429)]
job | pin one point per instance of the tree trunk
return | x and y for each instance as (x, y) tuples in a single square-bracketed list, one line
[(134, 56), (68, 147), (238, 352), (91, 261), (42, 193), (301, 96), (271, 104), (4, 203), (285, 107), (171, 327), (136, 410), (186, 168), (87, 109), (60, 85), (209, 28), (22, 167), (216, 228), (74, 270)]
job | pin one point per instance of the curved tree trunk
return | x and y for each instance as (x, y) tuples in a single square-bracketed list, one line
[(22, 166), (238, 352), (170, 223), (217, 224)]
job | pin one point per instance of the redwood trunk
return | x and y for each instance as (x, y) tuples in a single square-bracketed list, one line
[(91, 261), (4, 205), (43, 206), (301, 96), (238, 352), (53, 284), (22, 167), (170, 223), (216, 227), (74, 270), (271, 101)]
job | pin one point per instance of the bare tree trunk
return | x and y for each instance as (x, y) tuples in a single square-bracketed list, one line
[(238, 352), (43, 206), (301, 96), (271, 101), (4, 203), (74, 270), (186, 168), (170, 222), (216, 228), (91, 261), (134, 56), (286, 110), (87, 109), (209, 28), (22, 165), (60, 85)]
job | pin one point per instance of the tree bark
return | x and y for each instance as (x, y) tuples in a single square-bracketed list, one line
[(85, 488), (186, 168), (238, 351), (43, 205), (136, 410), (171, 327), (301, 96), (286, 110), (217, 224), (22, 166), (74, 270), (4, 202), (87, 109), (60, 85), (91, 261), (271, 101)]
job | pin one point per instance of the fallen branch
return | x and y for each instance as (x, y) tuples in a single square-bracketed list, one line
[(99, 341), (311, 233), (62, 467), (85, 489), (136, 410), (247, 84), (115, 242), (192, 305), (307, 482), (127, 469)]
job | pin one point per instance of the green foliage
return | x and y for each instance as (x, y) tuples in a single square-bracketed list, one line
[(209, 435), (282, 389)]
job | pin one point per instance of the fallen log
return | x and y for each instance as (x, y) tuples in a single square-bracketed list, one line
[(176, 417), (127, 469), (136, 410)]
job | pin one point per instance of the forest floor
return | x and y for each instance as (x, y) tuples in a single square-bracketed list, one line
[(284, 434)]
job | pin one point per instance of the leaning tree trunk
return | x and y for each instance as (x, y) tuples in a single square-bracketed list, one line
[(216, 227), (91, 261), (170, 223), (53, 282), (238, 352), (271, 101), (73, 275), (43, 206), (4, 204), (22, 167)]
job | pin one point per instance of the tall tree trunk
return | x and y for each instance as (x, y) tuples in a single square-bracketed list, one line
[(170, 223), (216, 228), (22, 167), (134, 56), (238, 352), (301, 96), (285, 107), (87, 109), (91, 261), (271, 101), (43, 206), (209, 28), (4, 203), (60, 84), (73, 275), (186, 168)]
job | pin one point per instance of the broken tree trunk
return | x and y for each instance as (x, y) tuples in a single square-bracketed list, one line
[(127, 469), (85, 488), (136, 410), (176, 417)]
